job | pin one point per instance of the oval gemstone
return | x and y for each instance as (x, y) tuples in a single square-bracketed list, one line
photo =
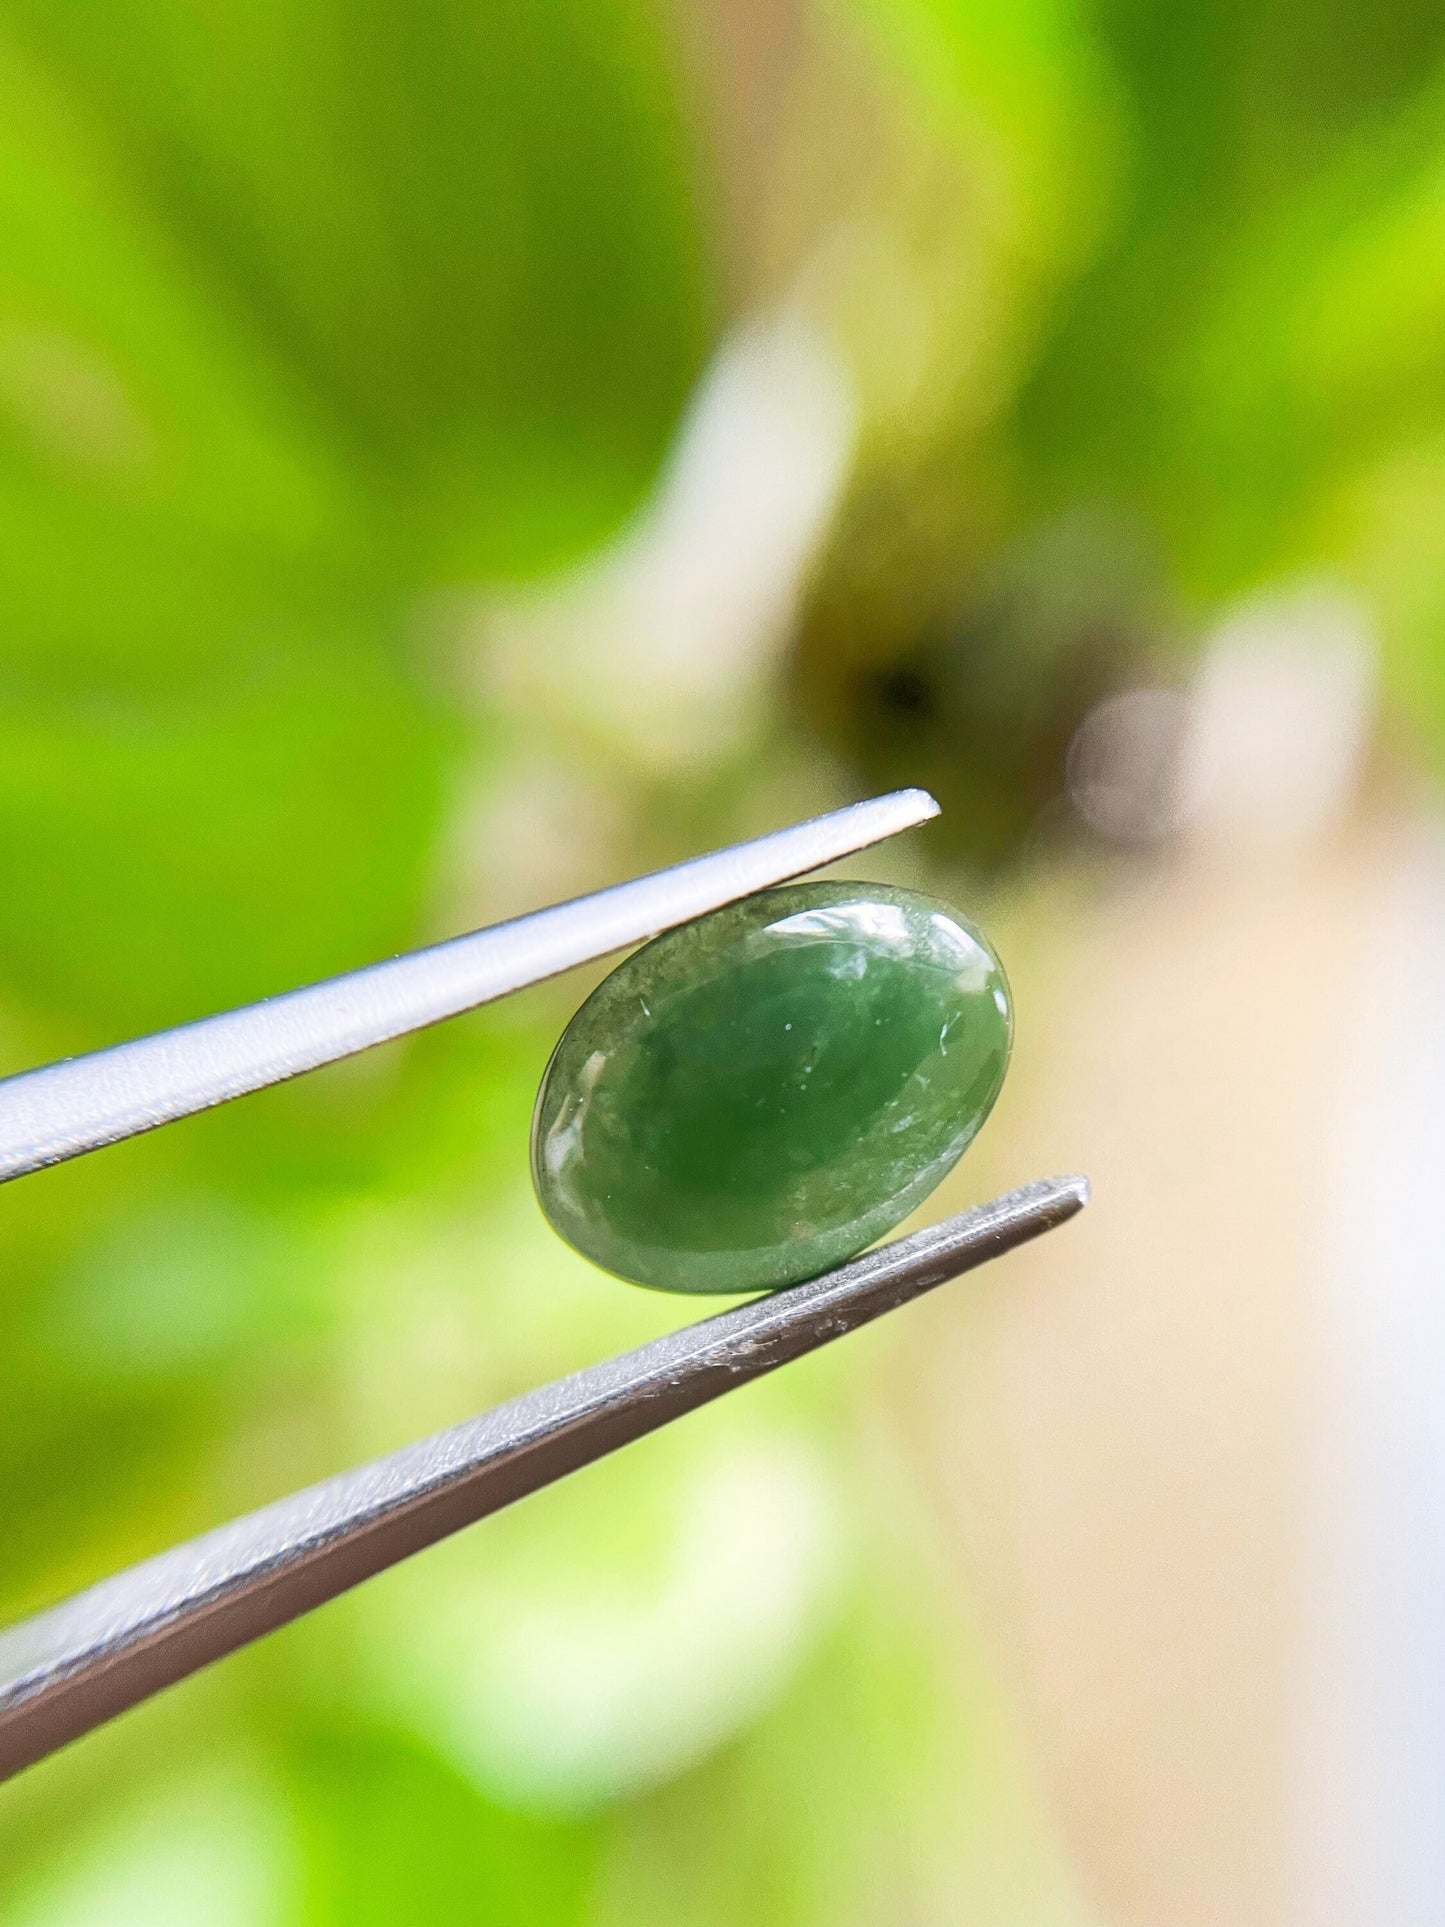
[(752, 1098)]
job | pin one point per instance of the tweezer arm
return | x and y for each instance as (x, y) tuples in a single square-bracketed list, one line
[(65, 1109), (68, 1669)]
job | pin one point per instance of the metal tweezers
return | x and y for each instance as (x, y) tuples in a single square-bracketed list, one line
[(68, 1669)]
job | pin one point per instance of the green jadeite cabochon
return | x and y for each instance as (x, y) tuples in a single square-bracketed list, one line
[(754, 1097)]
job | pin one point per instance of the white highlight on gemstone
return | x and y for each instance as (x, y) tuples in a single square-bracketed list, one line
[(563, 1142), (883, 926)]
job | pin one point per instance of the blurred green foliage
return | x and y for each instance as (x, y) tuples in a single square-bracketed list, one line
[(318, 319), (302, 311), (1208, 355)]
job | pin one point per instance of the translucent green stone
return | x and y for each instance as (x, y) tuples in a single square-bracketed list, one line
[(754, 1097)]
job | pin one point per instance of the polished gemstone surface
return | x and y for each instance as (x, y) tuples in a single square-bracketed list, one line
[(755, 1097)]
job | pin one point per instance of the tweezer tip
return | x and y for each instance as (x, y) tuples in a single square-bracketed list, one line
[(1044, 1203), (1062, 1197), (919, 805), (1077, 1188)]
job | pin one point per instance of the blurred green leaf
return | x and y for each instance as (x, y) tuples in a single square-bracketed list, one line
[(392, 1835), (159, 861), (466, 236)]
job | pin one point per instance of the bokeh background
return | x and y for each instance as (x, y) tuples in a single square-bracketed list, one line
[(456, 453)]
